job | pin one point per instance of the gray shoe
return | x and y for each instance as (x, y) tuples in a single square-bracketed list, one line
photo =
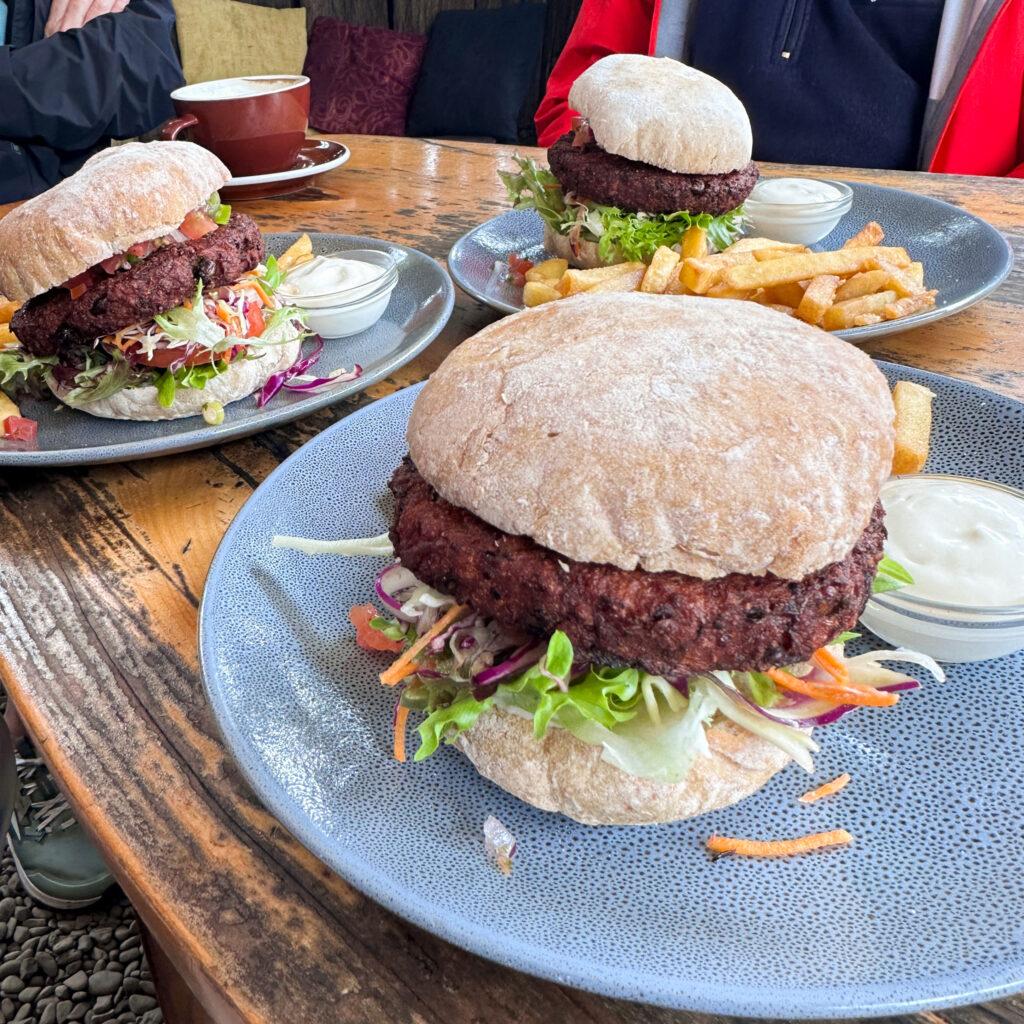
[(57, 864)]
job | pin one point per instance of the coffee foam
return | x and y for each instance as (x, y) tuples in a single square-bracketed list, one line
[(235, 88)]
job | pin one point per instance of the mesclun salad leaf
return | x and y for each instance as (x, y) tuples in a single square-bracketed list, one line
[(196, 377), (273, 275), (21, 372), (618, 234), (219, 212), (890, 576)]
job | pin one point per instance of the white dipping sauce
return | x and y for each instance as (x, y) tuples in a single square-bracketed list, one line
[(327, 276), (794, 191), (962, 542)]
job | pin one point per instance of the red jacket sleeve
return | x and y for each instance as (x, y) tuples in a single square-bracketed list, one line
[(602, 27), (985, 130)]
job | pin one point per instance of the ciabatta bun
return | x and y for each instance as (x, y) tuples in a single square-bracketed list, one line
[(703, 436), (561, 773), (663, 113), (241, 378), (122, 195)]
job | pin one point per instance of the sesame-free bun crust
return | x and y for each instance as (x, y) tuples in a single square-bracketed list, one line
[(561, 773), (122, 195), (661, 112), (240, 379), (704, 436)]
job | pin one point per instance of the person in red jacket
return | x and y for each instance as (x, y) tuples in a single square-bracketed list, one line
[(930, 85)]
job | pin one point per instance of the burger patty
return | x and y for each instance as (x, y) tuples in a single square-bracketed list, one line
[(664, 622), (165, 279), (612, 180)]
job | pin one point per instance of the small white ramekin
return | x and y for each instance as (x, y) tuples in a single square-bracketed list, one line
[(797, 223)]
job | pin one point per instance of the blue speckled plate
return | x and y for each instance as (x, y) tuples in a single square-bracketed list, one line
[(419, 308), (925, 910), (964, 257)]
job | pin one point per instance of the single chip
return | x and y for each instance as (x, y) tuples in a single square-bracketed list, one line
[(535, 293), (700, 274), (626, 282), (870, 234), (695, 242), (548, 271), (911, 304), (817, 298), (804, 266), (867, 320), (897, 280), (842, 314), (664, 263), (723, 291), (573, 281), (913, 405), (752, 244), (867, 282), (790, 294)]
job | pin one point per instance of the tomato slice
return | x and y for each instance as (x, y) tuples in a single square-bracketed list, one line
[(197, 224), (20, 428), (140, 250), (366, 636), (254, 315), (518, 265)]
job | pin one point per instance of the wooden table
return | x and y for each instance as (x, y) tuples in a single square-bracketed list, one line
[(101, 574)]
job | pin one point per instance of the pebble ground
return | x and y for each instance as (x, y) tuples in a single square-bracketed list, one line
[(58, 966)]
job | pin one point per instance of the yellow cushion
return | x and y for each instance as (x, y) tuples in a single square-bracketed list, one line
[(225, 39)]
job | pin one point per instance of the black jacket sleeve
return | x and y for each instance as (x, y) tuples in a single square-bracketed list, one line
[(110, 78)]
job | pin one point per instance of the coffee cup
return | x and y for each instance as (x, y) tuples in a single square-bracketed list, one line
[(255, 124)]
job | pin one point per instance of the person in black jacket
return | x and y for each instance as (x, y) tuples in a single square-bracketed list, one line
[(70, 81)]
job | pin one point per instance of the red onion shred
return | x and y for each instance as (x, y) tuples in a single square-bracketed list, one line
[(277, 380)]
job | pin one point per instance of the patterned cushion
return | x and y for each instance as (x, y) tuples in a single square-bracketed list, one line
[(361, 78)]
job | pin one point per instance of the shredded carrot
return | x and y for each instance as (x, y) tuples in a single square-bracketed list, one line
[(223, 312), (838, 693), (829, 663), (404, 665), (401, 717), (258, 289), (778, 847), (187, 303), (827, 789)]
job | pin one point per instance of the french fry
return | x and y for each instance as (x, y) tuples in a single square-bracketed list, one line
[(780, 307), (820, 293), (867, 319), (675, 284), (803, 266), (841, 315), (547, 270), (899, 281), (574, 281), (663, 263), (870, 234), (916, 271), (7, 338), (776, 252), (787, 294), (913, 405), (900, 308), (8, 307), (723, 291), (300, 251), (627, 282), (752, 244), (700, 274), (867, 282), (537, 292), (695, 242), (7, 408)]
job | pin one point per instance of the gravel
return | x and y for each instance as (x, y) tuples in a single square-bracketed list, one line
[(61, 967)]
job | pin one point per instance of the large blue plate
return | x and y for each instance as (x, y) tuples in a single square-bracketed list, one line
[(925, 910), (964, 257), (419, 308)]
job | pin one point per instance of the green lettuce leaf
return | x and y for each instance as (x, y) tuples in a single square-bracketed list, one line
[(890, 576), (761, 689), (21, 372), (195, 377), (192, 325), (104, 375), (619, 235), (272, 276), (445, 723)]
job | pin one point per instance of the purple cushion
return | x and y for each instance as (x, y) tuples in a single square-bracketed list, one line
[(361, 78)]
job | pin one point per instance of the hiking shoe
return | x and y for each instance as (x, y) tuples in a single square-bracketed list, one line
[(57, 864)]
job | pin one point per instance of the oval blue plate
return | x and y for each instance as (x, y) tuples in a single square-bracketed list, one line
[(419, 308), (925, 910), (964, 257)]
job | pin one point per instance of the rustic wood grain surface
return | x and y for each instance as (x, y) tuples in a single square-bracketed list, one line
[(102, 569)]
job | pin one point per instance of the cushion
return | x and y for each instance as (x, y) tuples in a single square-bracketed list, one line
[(225, 39), (479, 70), (361, 77)]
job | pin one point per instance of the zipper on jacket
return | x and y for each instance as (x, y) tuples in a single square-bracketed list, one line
[(794, 18)]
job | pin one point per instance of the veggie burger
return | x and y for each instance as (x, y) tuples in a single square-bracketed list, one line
[(658, 148), (147, 298), (632, 533)]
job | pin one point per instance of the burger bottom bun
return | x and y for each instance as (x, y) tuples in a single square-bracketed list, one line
[(561, 773), (241, 378), (587, 258)]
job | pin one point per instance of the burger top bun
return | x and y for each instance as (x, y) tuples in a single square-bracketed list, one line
[(703, 436), (122, 195), (661, 112)]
